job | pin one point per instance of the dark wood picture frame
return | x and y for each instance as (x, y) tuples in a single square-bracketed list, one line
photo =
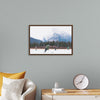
[(57, 48)]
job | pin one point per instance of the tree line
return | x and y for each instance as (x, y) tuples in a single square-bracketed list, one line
[(52, 44)]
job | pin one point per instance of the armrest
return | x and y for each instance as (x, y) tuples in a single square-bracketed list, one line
[(29, 90)]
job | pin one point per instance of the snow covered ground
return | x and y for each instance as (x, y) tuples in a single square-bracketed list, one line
[(51, 51)]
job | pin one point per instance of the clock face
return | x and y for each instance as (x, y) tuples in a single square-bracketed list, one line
[(81, 81)]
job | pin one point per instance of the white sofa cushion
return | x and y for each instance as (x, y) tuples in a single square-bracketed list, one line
[(12, 89)]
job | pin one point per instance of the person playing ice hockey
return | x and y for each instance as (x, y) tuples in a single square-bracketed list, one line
[(46, 48)]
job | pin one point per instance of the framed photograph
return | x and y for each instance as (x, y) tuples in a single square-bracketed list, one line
[(50, 39)]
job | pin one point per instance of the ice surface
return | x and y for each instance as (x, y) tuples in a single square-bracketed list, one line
[(51, 51)]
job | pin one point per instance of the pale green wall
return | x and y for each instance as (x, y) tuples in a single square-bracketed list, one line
[(16, 15)]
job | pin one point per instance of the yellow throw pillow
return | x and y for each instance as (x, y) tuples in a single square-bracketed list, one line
[(11, 76)]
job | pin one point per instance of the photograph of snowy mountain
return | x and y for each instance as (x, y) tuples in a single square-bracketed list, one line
[(50, 39)]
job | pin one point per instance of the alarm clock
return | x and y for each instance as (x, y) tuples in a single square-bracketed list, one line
[(81, 81)]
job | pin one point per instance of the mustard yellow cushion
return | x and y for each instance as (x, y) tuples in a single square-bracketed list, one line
[(11, 76)]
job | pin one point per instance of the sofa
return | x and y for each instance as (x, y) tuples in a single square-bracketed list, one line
[(29, 90), (13, 86)]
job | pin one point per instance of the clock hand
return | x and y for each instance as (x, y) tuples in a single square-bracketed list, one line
[(81, 80)]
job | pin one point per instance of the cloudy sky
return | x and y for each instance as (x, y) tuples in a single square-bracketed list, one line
[(41, 32)]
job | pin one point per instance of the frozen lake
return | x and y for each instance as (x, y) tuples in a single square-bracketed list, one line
[(51, 51)]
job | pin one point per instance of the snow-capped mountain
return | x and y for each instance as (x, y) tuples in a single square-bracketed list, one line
[(54, 37), (59, 37)]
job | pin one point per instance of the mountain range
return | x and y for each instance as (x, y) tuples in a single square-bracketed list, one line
[(54, 37), (33, 40), (59, 37)]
